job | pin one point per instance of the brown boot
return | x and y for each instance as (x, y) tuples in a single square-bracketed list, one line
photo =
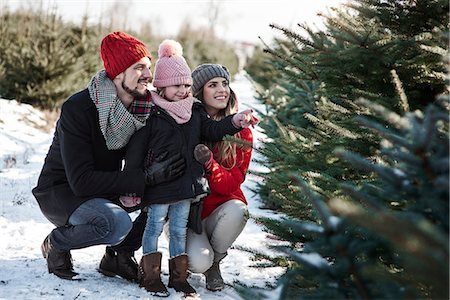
[(150, 274), (178, 267)]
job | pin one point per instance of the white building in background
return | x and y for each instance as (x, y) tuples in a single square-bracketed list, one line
[(244, 50)]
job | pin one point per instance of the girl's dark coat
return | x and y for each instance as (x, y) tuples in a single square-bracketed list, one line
[(161, 134)]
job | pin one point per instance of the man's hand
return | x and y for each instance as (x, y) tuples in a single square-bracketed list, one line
[(163, 170), (130, 201)]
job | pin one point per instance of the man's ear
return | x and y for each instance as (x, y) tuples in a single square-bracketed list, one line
[(119, 76)]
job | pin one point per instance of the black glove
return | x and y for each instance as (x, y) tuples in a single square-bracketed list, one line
[(164, 170)]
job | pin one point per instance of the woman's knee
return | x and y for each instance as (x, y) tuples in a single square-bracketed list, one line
[(231, 212), (201, 260), (225, 224), (199, 251), (238, 210)]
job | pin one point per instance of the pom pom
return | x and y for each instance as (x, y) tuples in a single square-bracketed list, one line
[(170, 48)]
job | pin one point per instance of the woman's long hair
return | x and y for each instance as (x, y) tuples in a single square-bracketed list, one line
[(226, 149)]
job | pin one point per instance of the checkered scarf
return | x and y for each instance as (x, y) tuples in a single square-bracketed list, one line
[(116, 122)]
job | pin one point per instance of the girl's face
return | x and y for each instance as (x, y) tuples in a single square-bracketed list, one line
[(177, 92), (216, 94)]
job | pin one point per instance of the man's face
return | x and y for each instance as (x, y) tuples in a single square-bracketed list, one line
[(137, 77)]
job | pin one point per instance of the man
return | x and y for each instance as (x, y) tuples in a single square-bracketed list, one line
[(81, 178)]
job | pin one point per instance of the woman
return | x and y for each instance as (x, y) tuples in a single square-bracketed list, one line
[(225, 211)]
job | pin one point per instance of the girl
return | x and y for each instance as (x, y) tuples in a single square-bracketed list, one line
[(177, 123), (225, 210)]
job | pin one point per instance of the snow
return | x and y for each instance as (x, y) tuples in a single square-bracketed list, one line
[(314, 259), (23, 271)]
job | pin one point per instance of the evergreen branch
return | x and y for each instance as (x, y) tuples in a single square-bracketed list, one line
[(435, 49), (417, 238), (349, 29), (318, 203), (402, 156), (389, 116), (294, 36), (360, 197), (289, 62), (302, 226), (313, 260), (331, 127), (366, 94), (318, 38), (381, 130), (395, 176), (400, 91)]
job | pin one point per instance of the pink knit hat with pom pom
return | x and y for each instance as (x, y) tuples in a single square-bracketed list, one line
[(171, 67)]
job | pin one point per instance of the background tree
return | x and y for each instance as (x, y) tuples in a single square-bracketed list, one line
[(44, 59), (203, 46)]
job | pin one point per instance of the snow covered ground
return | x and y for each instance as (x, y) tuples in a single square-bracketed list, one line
[(23, 271)]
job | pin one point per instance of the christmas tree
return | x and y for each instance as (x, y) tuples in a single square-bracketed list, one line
[(368, 209)]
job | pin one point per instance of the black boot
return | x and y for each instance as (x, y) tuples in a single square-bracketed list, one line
[(119, 263), (58, 262), (214, 280)]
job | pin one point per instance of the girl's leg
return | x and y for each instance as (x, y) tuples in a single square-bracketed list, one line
[(155, 221), (178, 217)]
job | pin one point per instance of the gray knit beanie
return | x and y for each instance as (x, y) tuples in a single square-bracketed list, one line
[(205, 72)]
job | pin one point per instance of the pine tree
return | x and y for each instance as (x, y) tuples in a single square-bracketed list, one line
[(44, 60), (367, 209), (389, 238), (311, 100)]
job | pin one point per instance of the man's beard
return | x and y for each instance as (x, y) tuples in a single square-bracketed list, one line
[(133, 92)]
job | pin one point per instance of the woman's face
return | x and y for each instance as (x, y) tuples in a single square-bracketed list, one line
[(216, 94)]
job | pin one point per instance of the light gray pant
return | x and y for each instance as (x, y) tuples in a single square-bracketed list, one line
[(220, 230)]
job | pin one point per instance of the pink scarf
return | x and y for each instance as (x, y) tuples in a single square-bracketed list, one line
[(180, 111)]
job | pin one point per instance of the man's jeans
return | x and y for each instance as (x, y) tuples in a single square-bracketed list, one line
[(178, 213), (95, 222)]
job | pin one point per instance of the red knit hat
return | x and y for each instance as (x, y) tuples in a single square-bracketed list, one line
[(171, 67), (119, 51)]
